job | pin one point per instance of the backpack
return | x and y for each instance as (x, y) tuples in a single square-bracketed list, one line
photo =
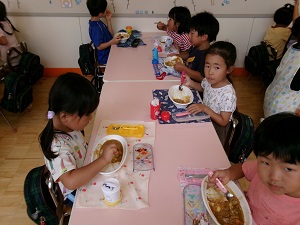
[(38, 199), (241, 137), (30, 66), (256, 59), (17, 93), (87, 59)]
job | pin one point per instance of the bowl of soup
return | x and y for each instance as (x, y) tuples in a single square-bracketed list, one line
[(123, 35), (118, 161), (181, 99)]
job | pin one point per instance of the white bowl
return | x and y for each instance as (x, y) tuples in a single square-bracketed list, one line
[(111, 168), (124, 36), (235, 190), (175, 93), (163, 39), (170, 61)]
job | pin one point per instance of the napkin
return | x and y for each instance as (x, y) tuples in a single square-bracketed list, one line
[(134, 185)]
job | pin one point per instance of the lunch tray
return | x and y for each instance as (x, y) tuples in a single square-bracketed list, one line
[(126, 130)]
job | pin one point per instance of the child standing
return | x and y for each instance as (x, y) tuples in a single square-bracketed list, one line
[(72, 100), (100, 33), (204, 28), (278, 34), (274, 191), (7, 36), (219, 98), (178, 27)]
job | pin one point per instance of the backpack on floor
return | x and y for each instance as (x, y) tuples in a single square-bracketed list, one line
[(39, 203), (87, 59), (17, 93), (241, 137), (256, 59), (30, 66)]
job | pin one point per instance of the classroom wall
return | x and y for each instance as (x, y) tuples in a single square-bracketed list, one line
[(56, 39)]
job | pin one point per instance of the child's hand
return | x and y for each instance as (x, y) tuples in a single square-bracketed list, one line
[(172, 54), (109, 152), (223, 176), (116, 40), (196, 108), (179, 67), (160, 25), (188, 81), (297, 112), (108, 14)]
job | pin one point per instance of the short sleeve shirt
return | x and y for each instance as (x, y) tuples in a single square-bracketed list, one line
[(219, 99), (71, 149), (269, 208), (199, 61), (182, 40), (99, 34)]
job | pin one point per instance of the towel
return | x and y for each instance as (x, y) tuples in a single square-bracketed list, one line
[(134, 185)]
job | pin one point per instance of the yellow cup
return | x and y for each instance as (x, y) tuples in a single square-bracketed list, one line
[(129, 30)]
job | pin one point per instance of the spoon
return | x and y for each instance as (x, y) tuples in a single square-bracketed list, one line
[(222, 187), (182, 80)]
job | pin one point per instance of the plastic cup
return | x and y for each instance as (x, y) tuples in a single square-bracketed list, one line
[(111, 191)]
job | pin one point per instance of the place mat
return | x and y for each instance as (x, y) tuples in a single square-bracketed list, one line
[(167, 105), (135, 35), (134, 185), (162, 68)]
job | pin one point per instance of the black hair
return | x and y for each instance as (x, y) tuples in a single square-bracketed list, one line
[(279, 135), (3, 17), (70, 93), (205, 23), (181, 15), (296, 28), (284, 15), (96, 7)]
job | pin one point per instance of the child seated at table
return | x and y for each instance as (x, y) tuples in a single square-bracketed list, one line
[(219, 98), (72, 100), (101, 34), (204, 28), (178, 27), (274, 191)]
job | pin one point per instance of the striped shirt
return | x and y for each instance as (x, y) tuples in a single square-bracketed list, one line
[(182, 40)]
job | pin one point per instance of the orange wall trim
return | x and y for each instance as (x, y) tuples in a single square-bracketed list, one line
[(54, 72)]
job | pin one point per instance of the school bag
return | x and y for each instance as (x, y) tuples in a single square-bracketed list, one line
[(87, 59), (256, 59), (39, 202), (17, 93), (241, 134), (30, 66)]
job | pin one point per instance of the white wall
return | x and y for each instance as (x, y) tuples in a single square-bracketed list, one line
[(56, 39)]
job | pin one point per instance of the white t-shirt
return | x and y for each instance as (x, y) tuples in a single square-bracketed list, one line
[(71, 150)]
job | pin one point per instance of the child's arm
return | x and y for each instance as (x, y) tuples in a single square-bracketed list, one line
[(296, 10), (113, 41), (80, 176), (192, 84), (195, 75), (232, 173), (297, 113), (161, 26), (108, 21), (222, 119)]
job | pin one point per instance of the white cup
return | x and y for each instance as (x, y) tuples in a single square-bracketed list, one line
[(111, 191)]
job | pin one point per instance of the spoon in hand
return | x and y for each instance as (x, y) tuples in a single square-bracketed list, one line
[(222, 187), (182, 80)]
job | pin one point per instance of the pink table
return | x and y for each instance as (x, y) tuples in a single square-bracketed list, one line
[(187, 145), (133, 64)]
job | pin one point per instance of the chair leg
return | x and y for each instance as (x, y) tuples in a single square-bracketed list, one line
[(98, 82), (13, 129)]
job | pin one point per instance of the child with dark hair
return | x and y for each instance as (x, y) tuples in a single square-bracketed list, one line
[(100, 33), (278, 34), (7, 36), (274, 191), (178, 27), (219, 98), (72, 100), (204, 28)]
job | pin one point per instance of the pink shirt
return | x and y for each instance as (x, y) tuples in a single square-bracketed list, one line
[(268, 208), (182, 40)]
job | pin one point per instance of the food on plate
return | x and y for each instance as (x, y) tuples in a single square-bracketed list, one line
[(227, 212), (173, 61), (100, 148), (123, 35), (184, 100)]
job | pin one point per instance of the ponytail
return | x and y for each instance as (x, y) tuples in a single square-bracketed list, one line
[(46, 138)]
